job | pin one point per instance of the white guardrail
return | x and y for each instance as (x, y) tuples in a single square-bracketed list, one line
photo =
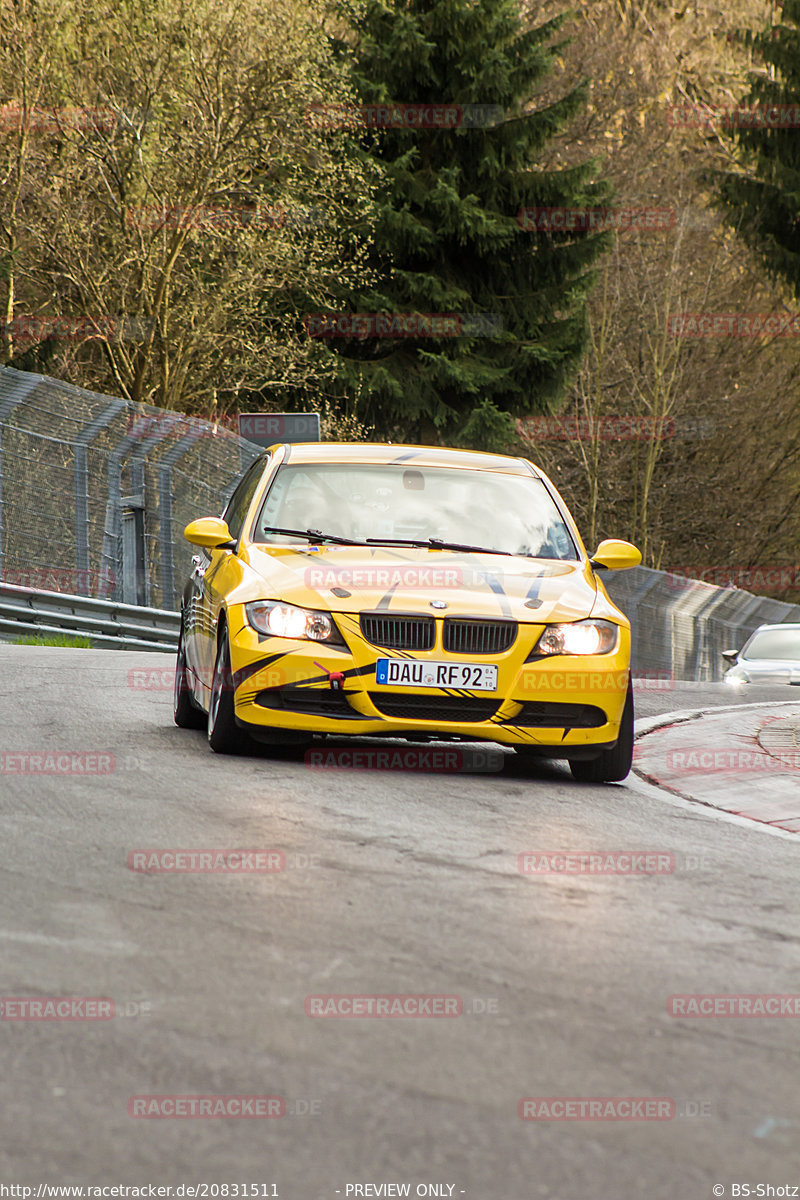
[(105, 623)]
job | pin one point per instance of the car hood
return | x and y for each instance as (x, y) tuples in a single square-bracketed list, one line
[(765, 670), (351, 579)]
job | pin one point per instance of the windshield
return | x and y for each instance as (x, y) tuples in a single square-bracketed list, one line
[(510, 513), (774, 644)]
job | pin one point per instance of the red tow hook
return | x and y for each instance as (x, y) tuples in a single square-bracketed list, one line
[(335, 678)]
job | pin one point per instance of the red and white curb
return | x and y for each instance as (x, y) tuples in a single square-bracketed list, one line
[(711, 760)]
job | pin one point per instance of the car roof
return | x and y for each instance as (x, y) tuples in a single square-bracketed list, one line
[(423, 456), (777, 625)]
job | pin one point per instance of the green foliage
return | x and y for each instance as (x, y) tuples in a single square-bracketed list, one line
[(488, 428), (448, 238), (195, 214), (53, 639), (761, 196)]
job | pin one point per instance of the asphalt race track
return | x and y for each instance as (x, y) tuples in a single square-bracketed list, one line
[(395, 883)]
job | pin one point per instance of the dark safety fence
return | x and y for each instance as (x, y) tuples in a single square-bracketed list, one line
[(95, 491), (681, 626)]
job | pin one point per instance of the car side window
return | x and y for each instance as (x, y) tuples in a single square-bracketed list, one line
[(236, 508)]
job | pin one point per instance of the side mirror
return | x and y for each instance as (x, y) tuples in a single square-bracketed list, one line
[(615, 555), (210, 532), (730, 655)]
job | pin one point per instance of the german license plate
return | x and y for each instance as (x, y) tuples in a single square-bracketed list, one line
[(413, 672)]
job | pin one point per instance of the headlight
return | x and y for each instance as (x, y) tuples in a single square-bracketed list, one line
[(284, 620), (579, 637)]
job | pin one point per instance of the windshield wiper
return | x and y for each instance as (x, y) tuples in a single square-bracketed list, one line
[(436, 544), (316, 535), (313, 535)]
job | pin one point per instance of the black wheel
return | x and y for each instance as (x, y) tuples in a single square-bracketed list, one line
[(611, 766), (224, 735), (185, 712)]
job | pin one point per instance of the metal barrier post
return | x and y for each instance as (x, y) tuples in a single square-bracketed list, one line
[(82, 493), (134, 554), (14, 395)]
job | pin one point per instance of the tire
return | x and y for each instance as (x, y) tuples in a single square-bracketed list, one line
[(224, 735), (185, 712), (611, 766)]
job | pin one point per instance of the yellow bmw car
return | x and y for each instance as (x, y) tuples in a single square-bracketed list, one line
[(404, 592)]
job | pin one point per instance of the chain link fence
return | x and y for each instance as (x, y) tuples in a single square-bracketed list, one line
[(95, 491), (681, 626)]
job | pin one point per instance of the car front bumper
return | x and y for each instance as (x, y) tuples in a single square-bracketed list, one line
[(561, 706)]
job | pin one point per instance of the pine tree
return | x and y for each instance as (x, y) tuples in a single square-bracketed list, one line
[(449, 236), (761, 198)]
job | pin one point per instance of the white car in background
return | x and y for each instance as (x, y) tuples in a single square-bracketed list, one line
[(770, 655)]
